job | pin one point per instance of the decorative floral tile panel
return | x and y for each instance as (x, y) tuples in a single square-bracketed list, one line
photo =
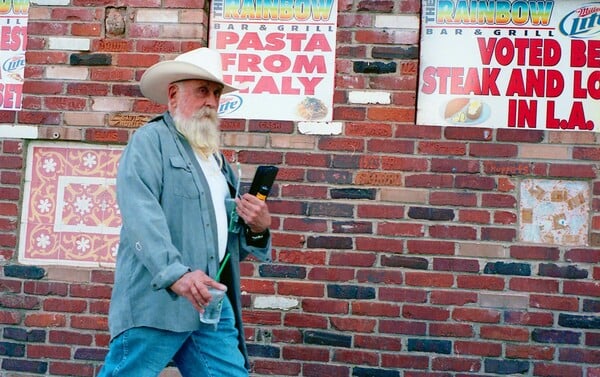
[(554, 212), (70, 214)]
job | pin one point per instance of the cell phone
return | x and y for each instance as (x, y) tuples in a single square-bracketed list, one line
[(263, 181)]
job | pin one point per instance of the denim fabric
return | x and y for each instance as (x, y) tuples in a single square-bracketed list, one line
[(211, 351)]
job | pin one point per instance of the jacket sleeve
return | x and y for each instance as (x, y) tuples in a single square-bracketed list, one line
[(139, 189)]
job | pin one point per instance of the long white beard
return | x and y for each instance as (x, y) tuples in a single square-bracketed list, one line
[(201, 130)]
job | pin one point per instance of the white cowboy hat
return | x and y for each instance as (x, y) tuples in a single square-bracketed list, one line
[(202, 63)]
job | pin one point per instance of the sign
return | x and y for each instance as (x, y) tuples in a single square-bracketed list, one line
[(510, 64), (280, 53), (13, 42)]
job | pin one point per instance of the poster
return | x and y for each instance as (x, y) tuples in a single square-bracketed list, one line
[(13, 43), (510, 64), (280, 53)]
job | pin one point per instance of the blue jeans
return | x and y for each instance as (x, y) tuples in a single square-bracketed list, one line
[(145, 352)]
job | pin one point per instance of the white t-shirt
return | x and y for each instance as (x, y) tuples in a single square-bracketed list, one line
[(218, 192)]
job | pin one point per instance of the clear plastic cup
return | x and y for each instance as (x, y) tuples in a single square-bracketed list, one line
[(212, 311)]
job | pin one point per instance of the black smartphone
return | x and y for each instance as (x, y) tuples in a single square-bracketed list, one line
[(263, 181)]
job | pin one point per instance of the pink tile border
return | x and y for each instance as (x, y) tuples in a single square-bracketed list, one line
[(70, 214)]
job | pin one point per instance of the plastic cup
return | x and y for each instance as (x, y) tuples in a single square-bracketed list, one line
[(212, 311)]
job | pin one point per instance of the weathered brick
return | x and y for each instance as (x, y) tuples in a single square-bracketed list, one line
[(350, 292), (432, 214), (353, 193), (579, 321), (326, 339), (429, 345), (24, 365), (24, 272), (282, 271), (507, 268), (263, 350), (503, 367), (555, 336), (374, 372), (565, 272), (12, 349)]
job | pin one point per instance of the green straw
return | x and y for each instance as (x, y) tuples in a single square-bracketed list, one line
[(218, 277)]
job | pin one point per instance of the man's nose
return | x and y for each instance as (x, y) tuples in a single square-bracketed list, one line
[(213, 100)]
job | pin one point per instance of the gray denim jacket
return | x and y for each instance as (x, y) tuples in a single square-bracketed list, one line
[(168, 229)]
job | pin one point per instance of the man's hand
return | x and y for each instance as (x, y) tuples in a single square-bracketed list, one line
[(254, 212), (193, 286)]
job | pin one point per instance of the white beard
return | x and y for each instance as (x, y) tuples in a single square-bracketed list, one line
[(201, 130)]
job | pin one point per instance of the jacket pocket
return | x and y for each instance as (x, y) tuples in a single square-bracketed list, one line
[(182, 179)]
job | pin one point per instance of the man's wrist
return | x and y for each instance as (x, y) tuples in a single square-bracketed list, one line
[(256, 236)]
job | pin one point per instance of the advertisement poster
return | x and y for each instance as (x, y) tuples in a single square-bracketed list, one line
[(510, 64), (280, 53), (13, 44)]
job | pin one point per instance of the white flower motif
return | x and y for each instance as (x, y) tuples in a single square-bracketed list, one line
[(49, 165), (114, 250), (103, 205), (89, 160), (44, 205), (43, 241), (83, 204), (83, 244)]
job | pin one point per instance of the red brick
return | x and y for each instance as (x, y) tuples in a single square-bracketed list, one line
[(469, 133), (258, 286), (368, 129), (391, 146), (45, 320), (358, 325), (89, 322), (390, 114), (428, 279), (380, 211), (62, 305), (454, 330), (478, 348), (481, 282), (454, 166), (374, 309), (535, 253), (462, 199), (534, 285), (260, 317), (136, 60), (562, 304), (400, 229), (531, 352), (377, 342), (400, 361), (403, 163), (455, 298), (572, 171), (42, 87), (552, 369), (273, 367), (70, 337), (473, 216), (325, 306), (330, 274), (305, 321), (476, 315), (353, 357), (39, 351), (302, 257), (461, 364), (86, 29), (442, 148), (402, 295), (425, 313), (71, 369), (453, 232), (375, 244), (300, 289), (513, 334)]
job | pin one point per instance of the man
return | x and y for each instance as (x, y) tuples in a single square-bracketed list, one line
[(172, 185)]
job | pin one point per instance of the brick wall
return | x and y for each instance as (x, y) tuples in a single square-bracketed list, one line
[(396, 246)]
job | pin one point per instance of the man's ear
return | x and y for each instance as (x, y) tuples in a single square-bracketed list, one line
[(172, 95)]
